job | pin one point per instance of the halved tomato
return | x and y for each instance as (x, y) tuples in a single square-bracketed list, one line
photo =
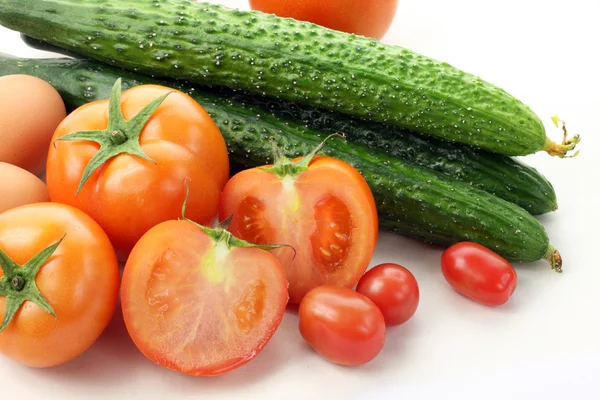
[(200, 301), (320, 206)]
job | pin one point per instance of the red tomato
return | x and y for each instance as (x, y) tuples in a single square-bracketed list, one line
[(394, 289), (342, 325), (77, 280), (200, 304), (128, 194), (325, 211), (478, 273), (368, 18)]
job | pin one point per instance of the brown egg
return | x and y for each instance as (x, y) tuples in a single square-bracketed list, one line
[(30, 111), (20, 187)]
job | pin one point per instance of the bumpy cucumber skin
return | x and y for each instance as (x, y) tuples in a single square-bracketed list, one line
[(411, 200), (505, 177), (500, 175), (295, 61)]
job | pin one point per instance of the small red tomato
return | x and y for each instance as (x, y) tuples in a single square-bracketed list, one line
[(342, 325), (394, 289), (478, 273)]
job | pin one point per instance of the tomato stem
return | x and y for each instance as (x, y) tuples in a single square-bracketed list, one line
[(18, 283), (283, 166), (120, 136), (221, 234)]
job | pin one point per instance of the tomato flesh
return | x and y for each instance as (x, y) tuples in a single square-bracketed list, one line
[(253, 225), (326, 213), (331, 240), (478, 273), (196, 306), (342, 325)]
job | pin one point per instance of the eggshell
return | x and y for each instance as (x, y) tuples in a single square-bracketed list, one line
[(20, 187), (30, 111)]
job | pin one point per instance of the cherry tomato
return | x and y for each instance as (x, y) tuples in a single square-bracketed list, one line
[(478, 273), (394, 289), (130, 193), (324, 209), (368, 18), (198, 301), (343, 326), (76, 279)]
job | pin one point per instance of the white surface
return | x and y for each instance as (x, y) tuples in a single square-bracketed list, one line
[(545, 343)]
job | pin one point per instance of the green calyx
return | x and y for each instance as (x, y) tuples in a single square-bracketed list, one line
[(220, 234), (119, 137), (18, 283), (283, 166)]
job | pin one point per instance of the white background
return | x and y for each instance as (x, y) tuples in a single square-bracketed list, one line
[(545, 343)]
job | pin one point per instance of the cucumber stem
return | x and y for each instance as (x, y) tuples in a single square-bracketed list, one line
[(567, 145), (554, 258)]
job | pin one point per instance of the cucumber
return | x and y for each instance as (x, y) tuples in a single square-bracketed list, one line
[(502, 176), (291, 60), (505, 177), (411, 200)]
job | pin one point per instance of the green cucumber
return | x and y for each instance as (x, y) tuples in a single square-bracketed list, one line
[(411, 200), (502, 176), (291, 60)]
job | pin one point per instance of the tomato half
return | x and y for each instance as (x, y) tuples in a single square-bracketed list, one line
[(368, 18), (478, 273), (128, 194), (198, 304), (78, 281), (342, 325), (325, 211), (394, 289)]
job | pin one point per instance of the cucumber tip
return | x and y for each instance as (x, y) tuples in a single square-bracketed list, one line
[(555, 259)]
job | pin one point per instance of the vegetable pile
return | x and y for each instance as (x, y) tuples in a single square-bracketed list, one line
[(236, 162)]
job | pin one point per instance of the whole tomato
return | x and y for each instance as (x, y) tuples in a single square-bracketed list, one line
[(367, 18), (320, 206), (125, 161), (59, 283), (394, 289), (478, 273), (343, 326)]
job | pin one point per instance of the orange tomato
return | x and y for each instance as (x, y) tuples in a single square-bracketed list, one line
[(367, 18), (79, 281), (128, 193), (325, 211)]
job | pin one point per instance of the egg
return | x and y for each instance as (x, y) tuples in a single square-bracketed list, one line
[(20, 187), (30, 111)]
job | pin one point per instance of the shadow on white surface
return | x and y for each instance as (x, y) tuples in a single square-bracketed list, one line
[(112, 359)]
